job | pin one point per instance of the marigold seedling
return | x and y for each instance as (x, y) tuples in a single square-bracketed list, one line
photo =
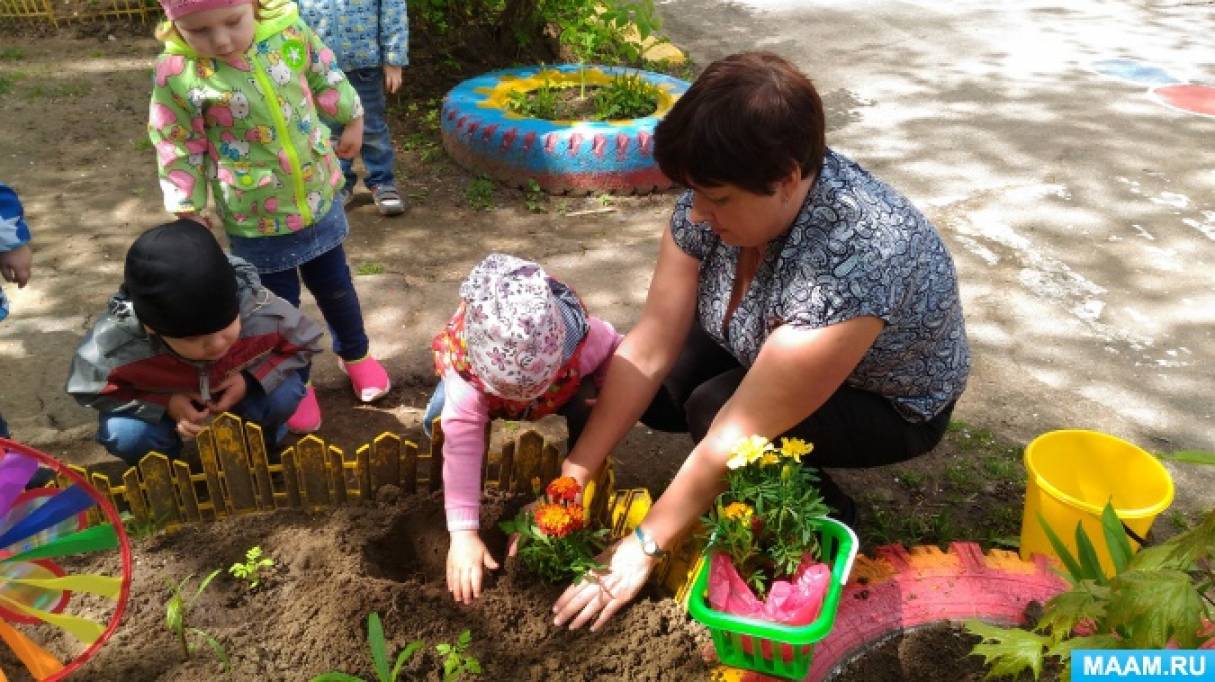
[(457, 662), (253, 568)]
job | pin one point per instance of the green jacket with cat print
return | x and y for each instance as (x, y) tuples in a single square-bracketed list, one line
[(249, 128)]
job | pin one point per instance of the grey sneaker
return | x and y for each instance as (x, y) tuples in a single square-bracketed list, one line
[(387, 200)]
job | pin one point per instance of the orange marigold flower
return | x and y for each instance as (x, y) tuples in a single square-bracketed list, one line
[(554, 520), (563, 489), (577, 516)]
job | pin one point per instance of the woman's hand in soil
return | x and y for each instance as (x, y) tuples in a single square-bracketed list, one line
[(351, 140), (190, 419), (601, 595), (467, 557), (15, 265)]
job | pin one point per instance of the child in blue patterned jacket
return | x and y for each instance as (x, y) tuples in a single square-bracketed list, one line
[(15, 255), (371, 40)]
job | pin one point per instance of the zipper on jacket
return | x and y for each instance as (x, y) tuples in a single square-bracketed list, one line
[(204, 386), (284, 134)]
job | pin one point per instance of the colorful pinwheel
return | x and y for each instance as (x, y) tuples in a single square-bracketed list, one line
[(38, 527)]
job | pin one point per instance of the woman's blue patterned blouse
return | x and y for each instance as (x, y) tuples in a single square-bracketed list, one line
[(857, 248)]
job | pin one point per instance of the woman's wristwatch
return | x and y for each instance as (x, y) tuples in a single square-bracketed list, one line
[(648, 544)]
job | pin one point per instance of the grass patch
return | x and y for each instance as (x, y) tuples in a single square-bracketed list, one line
[(369, 268), (59, 90), (10, 79), (11, 54), (480, 194)]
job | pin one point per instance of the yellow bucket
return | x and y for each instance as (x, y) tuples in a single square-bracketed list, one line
[(1073, 474)]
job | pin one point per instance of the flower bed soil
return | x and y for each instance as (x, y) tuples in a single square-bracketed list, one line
[(336, 567)]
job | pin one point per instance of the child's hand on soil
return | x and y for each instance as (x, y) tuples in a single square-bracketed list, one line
[(466, 558), (392, 78), (190, 420), (228, 393), (15, 265), (351, 140)]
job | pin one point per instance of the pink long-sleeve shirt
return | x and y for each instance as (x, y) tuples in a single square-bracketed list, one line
[(466, 414)]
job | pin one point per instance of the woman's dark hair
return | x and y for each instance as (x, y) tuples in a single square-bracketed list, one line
[(746, 121)]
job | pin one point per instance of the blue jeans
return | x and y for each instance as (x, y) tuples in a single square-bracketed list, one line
[(4, 432), (130, 439), (290, 251), (379, 156), (328, 278)]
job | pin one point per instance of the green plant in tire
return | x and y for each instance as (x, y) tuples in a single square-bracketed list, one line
[(1156, 599), (625, 97), (379, 656), (177, 617)]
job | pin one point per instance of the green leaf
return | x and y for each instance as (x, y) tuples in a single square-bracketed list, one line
[(1190, 456), (1063, 650), (336, 677), (215, 646), (1115, 538), (1007, 652), (1152, 607), (1069, 561), (406, 654), (205, 582), (1086, 601), (375, 638), (472, 665), (174, 611), (1088, 556)]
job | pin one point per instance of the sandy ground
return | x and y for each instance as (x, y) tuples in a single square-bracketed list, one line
[(1078, 210)]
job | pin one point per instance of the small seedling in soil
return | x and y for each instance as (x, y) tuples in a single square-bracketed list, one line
[(379, 656), (370, 268), (480, 194), (456, 662), (177, 618), (253, 567), (138, 529), (533, 197)]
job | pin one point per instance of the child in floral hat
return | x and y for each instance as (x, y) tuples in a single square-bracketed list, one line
[(236, 100), (520, 346)]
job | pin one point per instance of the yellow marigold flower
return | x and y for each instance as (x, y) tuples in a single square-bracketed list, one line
[(737, 511), (747, 450), (769, 458), (554, 520), (794, 448), (563, 489)]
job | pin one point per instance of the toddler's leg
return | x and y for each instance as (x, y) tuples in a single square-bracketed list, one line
[(274, 409), (434, 408), (130, 439), (284, 284), (328, 278)]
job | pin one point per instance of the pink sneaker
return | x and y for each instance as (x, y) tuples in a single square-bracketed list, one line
[(368, 377), (307, 417)]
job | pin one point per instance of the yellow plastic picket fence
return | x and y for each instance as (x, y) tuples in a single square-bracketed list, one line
[(238, 478), (77, 10)]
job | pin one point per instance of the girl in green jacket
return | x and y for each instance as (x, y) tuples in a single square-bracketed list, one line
[(235, 109)]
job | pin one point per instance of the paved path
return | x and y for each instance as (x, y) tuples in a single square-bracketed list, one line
[(1079, 208)]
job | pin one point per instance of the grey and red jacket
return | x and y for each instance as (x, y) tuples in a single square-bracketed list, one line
[(120, 368)]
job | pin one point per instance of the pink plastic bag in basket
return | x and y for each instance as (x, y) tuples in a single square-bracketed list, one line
[(791, 602)]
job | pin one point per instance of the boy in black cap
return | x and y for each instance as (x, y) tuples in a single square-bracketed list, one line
[(191, 334)]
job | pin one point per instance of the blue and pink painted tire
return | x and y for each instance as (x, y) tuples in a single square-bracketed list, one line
[(576, 157)]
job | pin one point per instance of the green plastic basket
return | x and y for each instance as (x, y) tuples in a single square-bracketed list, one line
[(774, 648)]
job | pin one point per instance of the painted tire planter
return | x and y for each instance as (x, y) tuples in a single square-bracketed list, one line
[(579, 157)]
